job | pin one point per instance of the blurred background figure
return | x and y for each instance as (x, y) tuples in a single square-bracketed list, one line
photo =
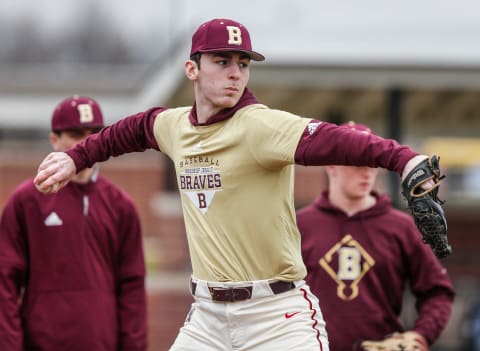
[(72, 260), (361, 254)]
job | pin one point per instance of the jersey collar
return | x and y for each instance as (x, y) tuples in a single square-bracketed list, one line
[(246, 99)]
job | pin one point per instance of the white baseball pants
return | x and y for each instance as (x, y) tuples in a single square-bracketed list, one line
[(290, 321)]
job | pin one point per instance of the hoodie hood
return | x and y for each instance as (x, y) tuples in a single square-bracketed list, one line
[(246, 99), (382, 205)]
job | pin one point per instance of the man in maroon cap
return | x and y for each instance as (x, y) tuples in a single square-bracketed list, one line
[(361, 254), (71, 265), (234, 159)]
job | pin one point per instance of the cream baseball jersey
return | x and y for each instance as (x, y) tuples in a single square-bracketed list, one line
[(235, 175), (232, 177)]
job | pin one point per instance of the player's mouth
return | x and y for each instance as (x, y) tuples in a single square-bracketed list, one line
[(364, 185), (232, 89)]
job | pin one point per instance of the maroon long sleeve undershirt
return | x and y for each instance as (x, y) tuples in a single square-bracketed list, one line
[(131, 134), (328, 144)]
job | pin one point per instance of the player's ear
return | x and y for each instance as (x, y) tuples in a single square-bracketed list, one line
[(330, 170), (191, 69), (54, 141)]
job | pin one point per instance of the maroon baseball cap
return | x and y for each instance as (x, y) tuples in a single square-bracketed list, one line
[(77, 112), (222, 34)]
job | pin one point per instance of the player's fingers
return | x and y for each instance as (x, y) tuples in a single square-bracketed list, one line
[(46, 169), (370, 346), (54, 172), (396, 335), (50, 184), (48, 161), (415, 341), (428, 185), (47, 182)]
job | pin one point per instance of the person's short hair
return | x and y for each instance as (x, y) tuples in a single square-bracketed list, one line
[(196, 58)]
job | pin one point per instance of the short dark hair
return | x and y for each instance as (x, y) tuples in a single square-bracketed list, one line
[(77, 132), (196, 58)]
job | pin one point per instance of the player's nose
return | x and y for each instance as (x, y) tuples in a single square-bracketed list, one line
[(234, 71)]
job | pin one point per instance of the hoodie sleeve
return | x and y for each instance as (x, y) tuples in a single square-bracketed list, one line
[(131, 294), (12, 274)]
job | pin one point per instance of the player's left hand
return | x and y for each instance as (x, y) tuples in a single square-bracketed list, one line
[(411, 164), (54, 172), (407, 341), (425, 206)]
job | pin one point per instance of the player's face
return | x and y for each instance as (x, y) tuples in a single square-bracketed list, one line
[(69, 138), (354, 182), (221, 79)]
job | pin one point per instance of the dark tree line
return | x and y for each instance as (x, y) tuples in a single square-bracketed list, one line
[(90, 38)]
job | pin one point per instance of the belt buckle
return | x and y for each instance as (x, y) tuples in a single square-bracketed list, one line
[(243, 293), (230, 294)]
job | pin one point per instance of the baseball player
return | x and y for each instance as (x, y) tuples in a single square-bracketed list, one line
[(71, 265), (234, 159), (361, 254)]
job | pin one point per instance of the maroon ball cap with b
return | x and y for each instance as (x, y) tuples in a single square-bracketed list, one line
[(77, 112), (222, 34)]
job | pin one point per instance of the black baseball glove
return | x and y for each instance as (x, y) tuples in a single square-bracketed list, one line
[(425, 206)]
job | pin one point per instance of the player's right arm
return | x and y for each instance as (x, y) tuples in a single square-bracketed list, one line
[(131, 134), (12, 274)]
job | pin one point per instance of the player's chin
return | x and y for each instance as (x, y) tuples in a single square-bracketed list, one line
[(365, 188), (229, 100), (362, 193)]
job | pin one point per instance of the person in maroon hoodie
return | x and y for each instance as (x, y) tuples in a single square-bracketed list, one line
[(361, 254), (72, 272)]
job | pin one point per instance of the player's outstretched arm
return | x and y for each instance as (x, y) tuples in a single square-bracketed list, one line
[(54, 172)]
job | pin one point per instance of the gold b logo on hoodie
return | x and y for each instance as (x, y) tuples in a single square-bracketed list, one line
[(353, 263)]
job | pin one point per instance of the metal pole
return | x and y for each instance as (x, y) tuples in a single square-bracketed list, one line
[(394, 131)]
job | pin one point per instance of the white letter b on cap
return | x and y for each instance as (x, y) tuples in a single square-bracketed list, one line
[(234, 35), (86, 113)]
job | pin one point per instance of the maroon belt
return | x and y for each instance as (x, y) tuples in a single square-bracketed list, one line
[(242, 293)]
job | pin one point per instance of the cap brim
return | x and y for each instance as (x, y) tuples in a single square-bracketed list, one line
[(255, 56), (63, 129)]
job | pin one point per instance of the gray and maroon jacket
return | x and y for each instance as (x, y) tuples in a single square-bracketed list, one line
[(360, 266), (72, 272)]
